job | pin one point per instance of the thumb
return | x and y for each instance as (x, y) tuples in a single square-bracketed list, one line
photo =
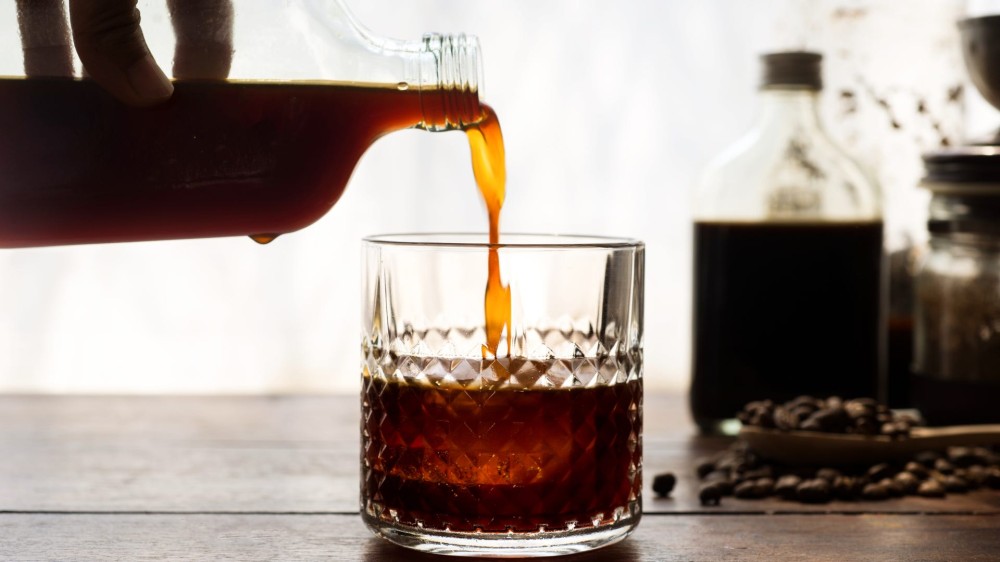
[(114, 52)]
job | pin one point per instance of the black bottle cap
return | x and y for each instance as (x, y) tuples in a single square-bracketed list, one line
[(794, 69)]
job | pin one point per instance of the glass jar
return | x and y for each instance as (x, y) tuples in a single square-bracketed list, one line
[(957, 317), (787, 250), (269, 115)]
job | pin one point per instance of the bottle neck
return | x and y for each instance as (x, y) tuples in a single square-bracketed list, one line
[(788, 110), (448, 75), (444, 70)]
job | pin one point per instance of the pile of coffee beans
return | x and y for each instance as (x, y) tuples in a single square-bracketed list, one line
[(861, 416), (738, 472)]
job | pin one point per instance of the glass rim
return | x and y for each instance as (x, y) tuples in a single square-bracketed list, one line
[(507, 240)]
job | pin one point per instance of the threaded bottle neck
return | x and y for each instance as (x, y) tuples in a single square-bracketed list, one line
[(450, 76)]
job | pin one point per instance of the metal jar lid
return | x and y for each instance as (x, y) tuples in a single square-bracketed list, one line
[(965, 183), (967, 170)]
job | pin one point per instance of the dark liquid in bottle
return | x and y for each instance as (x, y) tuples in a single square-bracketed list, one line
[(217, 159), (500, 460), (945, 401), (783, 309), (900, 362)]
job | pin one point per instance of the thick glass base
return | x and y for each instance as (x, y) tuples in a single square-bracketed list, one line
[(503, 545)]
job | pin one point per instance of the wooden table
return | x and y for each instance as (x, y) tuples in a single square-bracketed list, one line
[(276, 478)]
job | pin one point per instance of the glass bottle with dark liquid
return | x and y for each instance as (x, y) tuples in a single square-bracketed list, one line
[(956, 353), (787, 261), (264, 151)]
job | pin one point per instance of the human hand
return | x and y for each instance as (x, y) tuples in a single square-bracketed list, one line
[(111, 46)]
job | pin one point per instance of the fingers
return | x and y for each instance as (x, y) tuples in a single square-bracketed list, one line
[(204, 31), (44, 38), (114, 53)]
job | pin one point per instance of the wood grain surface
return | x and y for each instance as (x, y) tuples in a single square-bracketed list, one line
[(276, 478)]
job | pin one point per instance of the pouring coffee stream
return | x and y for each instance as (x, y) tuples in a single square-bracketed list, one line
[(489, 168)]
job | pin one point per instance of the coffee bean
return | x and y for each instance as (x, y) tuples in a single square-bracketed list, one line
[(728, 462), (908, 420), (828, 474), (846, 487), (783, 419), (927, 458), (991, 458), (833, 420), (907, 482), (765, 471), (704, 467), (875, 492), (895, 430), (918, 470), (725, 486), (970, 456), (746, 490), (810, 425), (954, 484), (737, 477), (865, 426), (855, 409), (992, 478), (975, 475), (965, 457), (961, 456), (931, 488), (943, 466), (816, 490), (786, 485), (880, 471), (716, 475), (895, 489), (763, 419), (759, 405), (802, 413), (709, 494), (763, 487), (664, 483)]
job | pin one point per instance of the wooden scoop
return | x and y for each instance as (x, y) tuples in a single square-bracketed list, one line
[(814, 448)]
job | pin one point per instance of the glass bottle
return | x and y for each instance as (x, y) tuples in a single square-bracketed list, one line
[(787, 260), (956, 367), (268, 118)]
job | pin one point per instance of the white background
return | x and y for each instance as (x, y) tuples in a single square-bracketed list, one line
[(610, 111)]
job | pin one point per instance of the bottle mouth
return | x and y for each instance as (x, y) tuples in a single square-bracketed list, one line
[(450, 79)]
